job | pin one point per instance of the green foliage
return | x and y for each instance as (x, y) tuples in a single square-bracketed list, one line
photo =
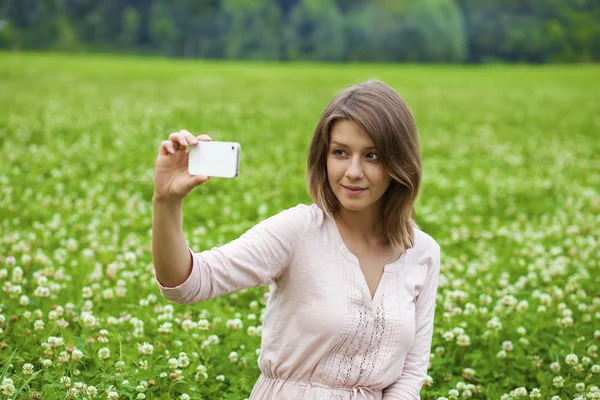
[(446, 31), (130, 27), (509, 191)]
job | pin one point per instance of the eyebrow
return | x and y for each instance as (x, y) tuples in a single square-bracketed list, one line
[(345, 145)]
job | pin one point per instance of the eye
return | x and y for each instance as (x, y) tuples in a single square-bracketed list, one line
[(338, 152), (373, 156)]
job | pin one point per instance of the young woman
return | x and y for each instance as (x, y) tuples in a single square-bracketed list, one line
[(353, 280)]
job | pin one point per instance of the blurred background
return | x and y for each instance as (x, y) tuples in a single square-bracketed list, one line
[(443, 31)]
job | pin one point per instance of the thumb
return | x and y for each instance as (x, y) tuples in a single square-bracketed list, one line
[(195, 180)]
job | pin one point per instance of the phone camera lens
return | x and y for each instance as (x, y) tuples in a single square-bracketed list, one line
[(232, 147)]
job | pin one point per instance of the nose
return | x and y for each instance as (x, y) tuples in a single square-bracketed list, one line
[(354, 170)]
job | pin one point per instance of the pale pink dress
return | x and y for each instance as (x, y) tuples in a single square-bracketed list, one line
[(323, 335)]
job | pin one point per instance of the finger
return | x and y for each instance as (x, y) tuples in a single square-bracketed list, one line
[(201, 178), (166, 147), (179, 140), (204, 138), (191, 139)]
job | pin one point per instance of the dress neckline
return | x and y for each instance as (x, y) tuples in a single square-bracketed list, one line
[(341, 245)]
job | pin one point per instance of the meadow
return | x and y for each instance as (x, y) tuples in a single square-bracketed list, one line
[(510, 191)]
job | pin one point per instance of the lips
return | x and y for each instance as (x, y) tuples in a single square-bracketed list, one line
[(354, 187)]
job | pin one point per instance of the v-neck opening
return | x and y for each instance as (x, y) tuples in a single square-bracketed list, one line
[(353, 259)]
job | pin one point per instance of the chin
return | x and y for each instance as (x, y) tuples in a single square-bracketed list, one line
[(357, 205)]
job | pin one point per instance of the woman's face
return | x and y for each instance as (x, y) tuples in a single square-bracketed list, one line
[(355, 174)]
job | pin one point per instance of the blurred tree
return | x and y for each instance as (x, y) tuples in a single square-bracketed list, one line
[(434, 31), (315, 31), (163, 31), (130, 27), (67, 37), (356, 30), (254, 29)]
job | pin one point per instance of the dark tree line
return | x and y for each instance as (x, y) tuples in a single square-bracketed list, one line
[(329, 30)]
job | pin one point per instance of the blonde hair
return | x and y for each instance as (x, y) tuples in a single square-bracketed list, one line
[(381, 112)]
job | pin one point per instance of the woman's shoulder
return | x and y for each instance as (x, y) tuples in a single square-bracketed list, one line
[(425, 246), (307, 213)]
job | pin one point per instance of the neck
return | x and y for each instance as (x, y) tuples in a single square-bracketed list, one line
[(365, 225)]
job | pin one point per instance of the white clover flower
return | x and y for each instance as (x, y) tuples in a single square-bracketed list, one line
[(17, 275), (165, 328), (586, 360), (501, 354), (104, 353), (467, 393), (463, 340), (494, 323), (146, 348), (183, 360), (130, 258), (46, 363), (234, 324), (144, 364), (65, 381), (76, 355), (519, 392), (595, 369), (27, 369), (24, 300), (112, 396), (468, 373), (140, 396), (220, 378), (535, 393), (88, 320), (7, 387), (213, 339), (233, 357), (55, 342), (448, 336), (251, 331), (571, 359), (38, 325), (453, 393), (507, 345), (187, 324), (173, 363), (63, 357), (184, 396), (558, 381), (86, 292), (92, 391)]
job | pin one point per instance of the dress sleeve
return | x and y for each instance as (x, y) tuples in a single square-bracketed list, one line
[(255, 259), (408, 386)]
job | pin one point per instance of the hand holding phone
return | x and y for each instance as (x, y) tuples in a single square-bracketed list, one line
[(218, 159), (172, 181)]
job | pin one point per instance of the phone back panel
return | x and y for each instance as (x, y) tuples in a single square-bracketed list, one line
[(219, 159)]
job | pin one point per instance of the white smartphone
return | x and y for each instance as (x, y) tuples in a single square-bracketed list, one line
[(220, 159)]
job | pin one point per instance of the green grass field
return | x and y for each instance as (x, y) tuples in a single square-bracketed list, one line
[(511, 192)]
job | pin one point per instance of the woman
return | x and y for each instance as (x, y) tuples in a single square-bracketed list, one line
[(353, 280)]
